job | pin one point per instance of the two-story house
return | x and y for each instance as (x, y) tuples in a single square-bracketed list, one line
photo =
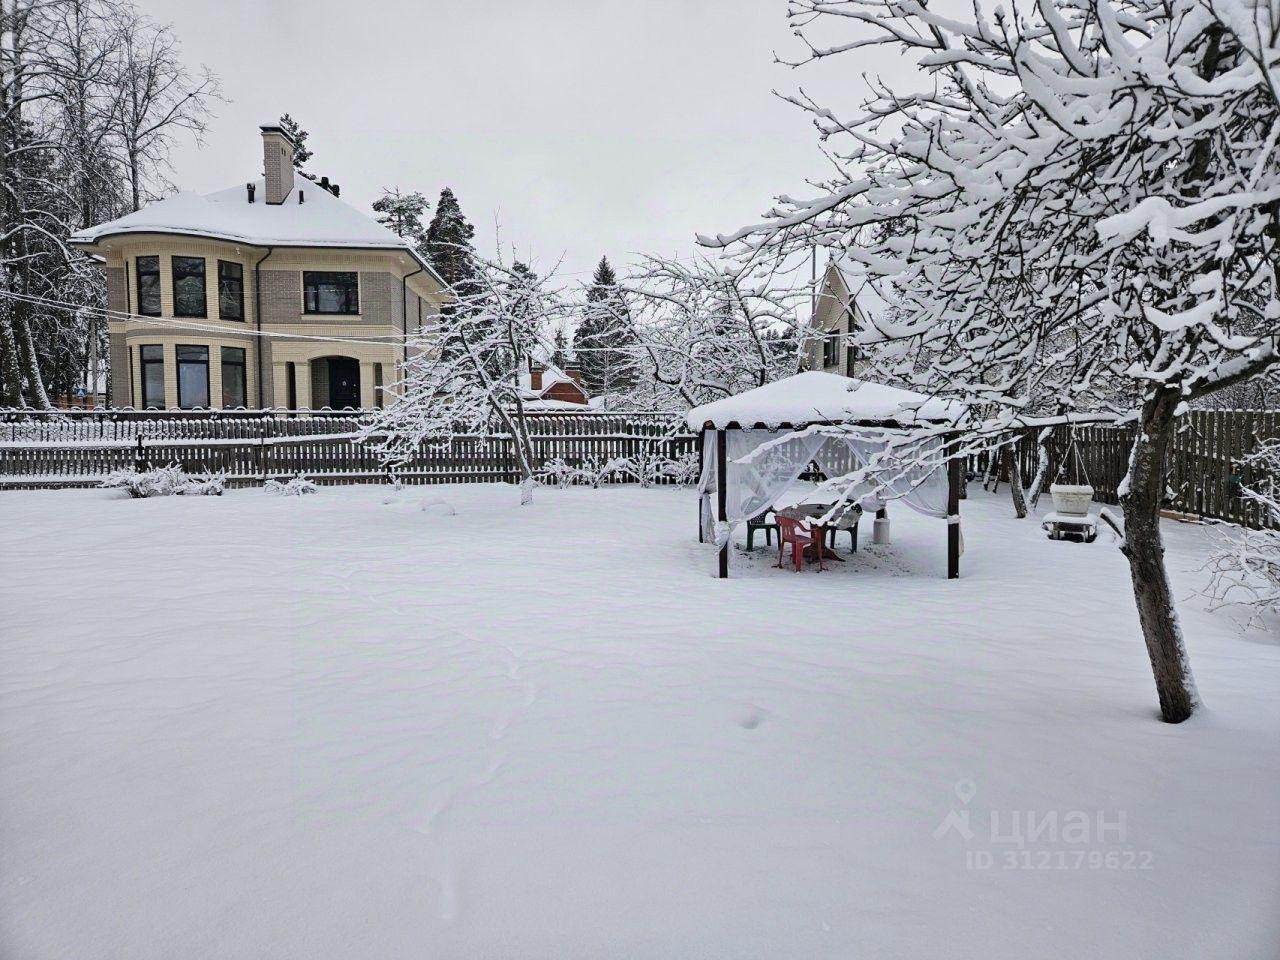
[(843, 304), (274, 293)]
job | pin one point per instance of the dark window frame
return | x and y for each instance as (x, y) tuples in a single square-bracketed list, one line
[(143, 362), (311, 293), (830, 350), (178, 363), (239, 284), (204, 287), (243, 364), (138, 275)]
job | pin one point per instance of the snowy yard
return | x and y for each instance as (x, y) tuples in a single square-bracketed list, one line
[(338, 727)]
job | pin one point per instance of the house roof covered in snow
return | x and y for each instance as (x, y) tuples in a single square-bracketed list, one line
[(815, 397), (321, 220), (551, 375), (866, 292)]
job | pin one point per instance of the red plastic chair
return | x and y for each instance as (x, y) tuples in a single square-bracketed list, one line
[(792, 531)]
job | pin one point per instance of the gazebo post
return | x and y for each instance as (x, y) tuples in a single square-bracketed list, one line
[(722, 510), (702, 446), (954, 480)]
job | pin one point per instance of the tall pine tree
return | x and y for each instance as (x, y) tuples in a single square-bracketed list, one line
[(560, 350), (605, 336), (299, 136), (402, 213), (448, 243)]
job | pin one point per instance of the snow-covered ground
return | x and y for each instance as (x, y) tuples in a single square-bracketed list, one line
[(330, 726)]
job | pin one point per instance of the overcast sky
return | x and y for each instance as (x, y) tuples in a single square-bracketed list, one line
[(582, 127)]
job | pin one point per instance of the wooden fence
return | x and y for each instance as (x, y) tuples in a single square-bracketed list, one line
[(1206, 468), (1204, 474), (79, 449)]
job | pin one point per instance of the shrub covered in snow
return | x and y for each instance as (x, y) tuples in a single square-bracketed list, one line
[(170, 481), (645, 469), (1246, 571), (298, 486)]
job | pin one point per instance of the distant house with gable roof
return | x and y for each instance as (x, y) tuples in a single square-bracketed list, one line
[(547, 387), (845, 300)]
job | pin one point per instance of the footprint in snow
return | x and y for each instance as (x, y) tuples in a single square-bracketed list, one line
[(752, 717)]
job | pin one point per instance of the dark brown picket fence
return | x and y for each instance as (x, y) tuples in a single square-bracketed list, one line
[(1206, 469), (80, 448), (1204, 475)]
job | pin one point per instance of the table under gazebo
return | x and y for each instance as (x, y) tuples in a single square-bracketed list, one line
[(756, 444)]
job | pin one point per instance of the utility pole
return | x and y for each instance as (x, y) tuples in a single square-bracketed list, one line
[(813, 296), (93, 359)]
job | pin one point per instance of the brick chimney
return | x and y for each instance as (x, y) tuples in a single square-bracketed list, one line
[(574, 374), (277, 163), (535, 378)]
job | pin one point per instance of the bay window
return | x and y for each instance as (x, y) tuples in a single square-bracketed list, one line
[(188, 287), (234, 385), (151, 357), (230, 290), (193, 376), (148, 269)]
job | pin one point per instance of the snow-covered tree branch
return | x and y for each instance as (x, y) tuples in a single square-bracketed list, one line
[(1080, 213)]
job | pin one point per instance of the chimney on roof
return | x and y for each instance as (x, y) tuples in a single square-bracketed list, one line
[(277, 163), (574, 374), (535, 377)]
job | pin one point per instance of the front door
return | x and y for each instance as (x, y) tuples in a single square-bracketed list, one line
[(344, 383)]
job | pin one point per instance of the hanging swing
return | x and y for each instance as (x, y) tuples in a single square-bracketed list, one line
[(1071, 518)]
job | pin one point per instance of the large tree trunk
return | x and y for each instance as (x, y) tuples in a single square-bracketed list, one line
[(1144, 547), (1042, 466), (30, 362), (10, 372), (1013, 467)]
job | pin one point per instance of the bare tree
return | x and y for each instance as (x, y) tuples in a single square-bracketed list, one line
[(704, 330), (465, 374), (158, 100)]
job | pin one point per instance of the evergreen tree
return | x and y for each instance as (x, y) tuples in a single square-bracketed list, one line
[(448, 243), (560, 351), (604, 339), (300, 152), (402, 213)]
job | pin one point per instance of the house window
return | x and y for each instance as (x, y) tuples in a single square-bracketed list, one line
[(152, 360), (327, 291), (193, 377), (188, 287), (148, 286), (234, 386), (377, 385), (831, 350), (230, 290)]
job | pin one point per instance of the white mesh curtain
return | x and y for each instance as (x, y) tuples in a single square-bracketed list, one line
[(919, 481), (754, 485), (756, 482)]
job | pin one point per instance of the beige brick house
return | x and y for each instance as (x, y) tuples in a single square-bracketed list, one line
[(843, 303), (270, 294)]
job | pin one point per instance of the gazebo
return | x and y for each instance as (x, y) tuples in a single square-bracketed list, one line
[(756, 444)]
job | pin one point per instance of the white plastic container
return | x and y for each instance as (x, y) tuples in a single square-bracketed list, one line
[(1071, 499)]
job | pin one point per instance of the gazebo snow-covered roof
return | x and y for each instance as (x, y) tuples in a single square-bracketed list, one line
[(756, 444), (816, 397)]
